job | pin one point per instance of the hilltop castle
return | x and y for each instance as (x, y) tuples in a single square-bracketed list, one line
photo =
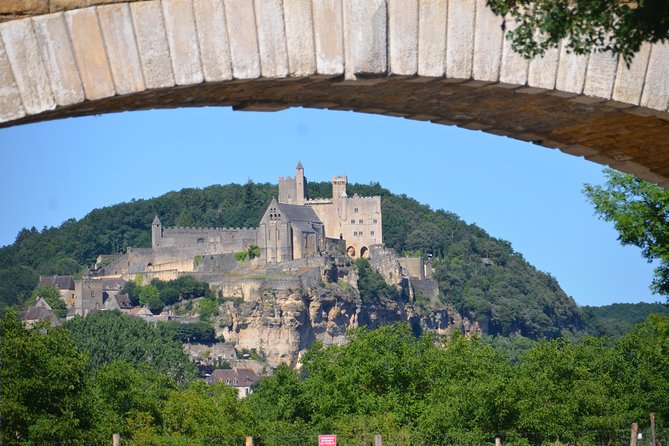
[(293, 227)]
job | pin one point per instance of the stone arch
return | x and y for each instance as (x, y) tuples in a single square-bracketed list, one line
[(364, 252), (351, 252), (444, 61)]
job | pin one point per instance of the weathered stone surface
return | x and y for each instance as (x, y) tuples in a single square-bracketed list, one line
[(240, 17), (119, 37), (543, 70), (432, 37), (571, 72), (271, 38), (183, 42), (154, 52), (29, 71), (212, 32), (65, 5), (365, 34), (630, 80), (299, 37), (557, 101), (487, 43), (59, 59), (329, 36), (600, 75), (27, 7), (460, 38), (514, 66), (89, 50), (403, 36), (11, 106), (656, 88)]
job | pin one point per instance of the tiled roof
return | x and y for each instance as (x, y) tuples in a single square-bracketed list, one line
[(60, 282)]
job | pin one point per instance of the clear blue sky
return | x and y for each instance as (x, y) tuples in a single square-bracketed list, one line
[(528, 195)]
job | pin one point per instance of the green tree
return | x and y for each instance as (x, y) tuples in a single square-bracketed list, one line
[(603, 25), (372, 286), (150, 297), (209, 414), (42, 385), (51, 295), (108, 336), (639, 211)]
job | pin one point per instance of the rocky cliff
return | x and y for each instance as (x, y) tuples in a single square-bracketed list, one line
[(282, 315)]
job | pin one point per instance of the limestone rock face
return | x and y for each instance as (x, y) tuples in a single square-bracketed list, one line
[(282, 324)]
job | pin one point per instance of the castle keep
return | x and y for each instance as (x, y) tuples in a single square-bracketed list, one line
[(356, 220), (292, 228)]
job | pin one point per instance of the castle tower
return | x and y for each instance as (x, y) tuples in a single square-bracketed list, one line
[(339, 187), (156, 232), (300, 184)]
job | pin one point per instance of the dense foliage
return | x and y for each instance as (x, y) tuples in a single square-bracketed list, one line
[(479, 275), (108, 336), (617, 319), (385, 381), (620, 27)]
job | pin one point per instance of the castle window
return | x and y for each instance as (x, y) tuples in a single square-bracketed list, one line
[(355, 210), (375, 221), (371, 233), (92, 294), (200, 240), (360, 221), (352, 221)]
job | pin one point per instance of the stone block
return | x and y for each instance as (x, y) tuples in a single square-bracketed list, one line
[(58, 57), (299, 37), (571, 71), (514, 66), (403, 36), (328, 36), (271, 38), (89, 51), (24, 7), (487, 43), (543, 70), (241, 24), (64, 5), (154, 52), (183, 42), (460, 38), (213, 36), (600, 75), (11, 106), (106, 2), (119, 37), (630, 80), (432, 37), (656, 88), (365, 34), (29, 71)]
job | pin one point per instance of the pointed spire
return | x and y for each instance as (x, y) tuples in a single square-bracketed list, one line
[(299, 165), (156, 220)]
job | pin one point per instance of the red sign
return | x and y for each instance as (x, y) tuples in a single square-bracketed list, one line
[(327, 440)]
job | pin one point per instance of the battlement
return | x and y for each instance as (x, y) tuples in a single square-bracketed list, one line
[(190, 230)]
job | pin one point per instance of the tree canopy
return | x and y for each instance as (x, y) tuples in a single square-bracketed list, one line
[(639, 211), (618, 26)]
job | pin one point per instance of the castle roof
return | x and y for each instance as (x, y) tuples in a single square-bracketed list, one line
[(298, 212), (60, 282), (156, 220), (299, 165)]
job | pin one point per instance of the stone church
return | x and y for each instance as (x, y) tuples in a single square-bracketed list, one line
[(356, 220)]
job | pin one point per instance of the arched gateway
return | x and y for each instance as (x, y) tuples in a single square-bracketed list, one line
[(444, 61)]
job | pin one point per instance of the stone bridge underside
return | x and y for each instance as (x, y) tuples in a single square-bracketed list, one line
[(444, 61)]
